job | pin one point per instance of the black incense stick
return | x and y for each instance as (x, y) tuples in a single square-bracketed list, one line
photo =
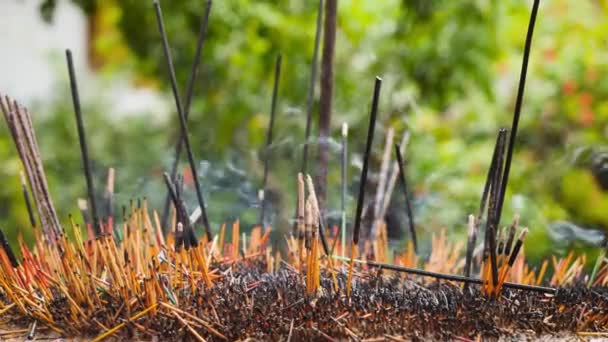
[(28, 201), (492, 221), (310, 101), (452, 277), (366, 156), (517, 112), (7, 248), (266, 154), (482, 206), (311, 88), (189, 93), (408, 204), (363, 180), (83, 143), (182, 119)]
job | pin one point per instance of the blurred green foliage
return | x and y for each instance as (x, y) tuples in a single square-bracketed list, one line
[(450, 70)]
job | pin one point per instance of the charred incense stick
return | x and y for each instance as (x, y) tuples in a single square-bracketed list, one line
[(273, 106), (189, 93), (482, 205), (492, 223), (363, 179), (311, 88), (8, 250), (408, 205), (517, 112), (182, 119), (83, 143), (311, 97), (470, 246), (344, 163), (28, 202), (449, 277)]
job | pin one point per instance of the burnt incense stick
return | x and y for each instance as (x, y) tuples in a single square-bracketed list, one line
[(28, 202), (83, 143), (311, 88), (189, 94), (363, 179), (310, 98), (7, 249), (491, 223), (317, 210), (182, 119), (482, 206), (472, 224), (517, 111), (449, 277), (511, 235), (489, 177), (408, 205), (266, 154)]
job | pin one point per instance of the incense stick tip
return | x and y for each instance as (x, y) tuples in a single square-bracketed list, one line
[(82, 204), (523, 234), (344, 129)]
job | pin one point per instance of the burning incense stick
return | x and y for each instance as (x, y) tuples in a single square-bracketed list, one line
[(83, 144), (517, 111), (363, 179), (189, 94), (408, 205), (182, 119), (273, 105)]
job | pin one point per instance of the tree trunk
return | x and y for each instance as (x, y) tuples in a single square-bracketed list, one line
[(325, 99)]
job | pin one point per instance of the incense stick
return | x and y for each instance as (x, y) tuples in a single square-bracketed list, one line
[(492, 221), (484, 197), (189, 94), (311, 88), (311, 97), (83, 143), (273, 105), (472, 224), (517, 111), (450, 277), (363, 179), (182, 119), (28, 202), (408, 205), (344, 163)]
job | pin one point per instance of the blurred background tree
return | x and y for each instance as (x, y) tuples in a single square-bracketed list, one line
[(450, 70)]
